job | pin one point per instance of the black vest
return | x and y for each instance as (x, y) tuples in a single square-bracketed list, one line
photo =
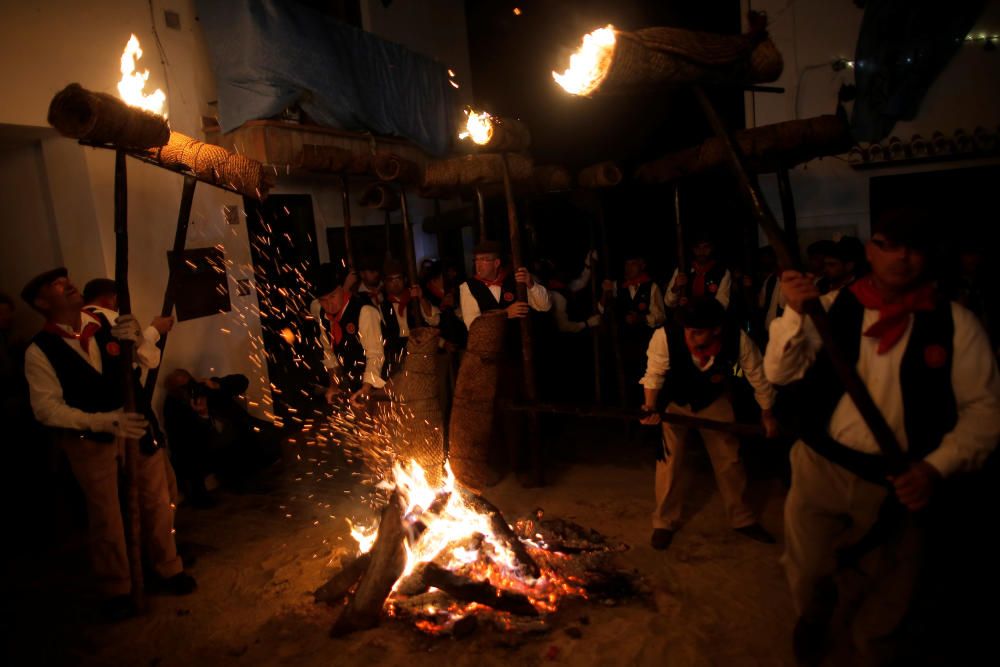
[(639, 304), (484, 297), (713, 278), (686, 384), (350, 352), (929, 407), (82, 386), (394, 341)]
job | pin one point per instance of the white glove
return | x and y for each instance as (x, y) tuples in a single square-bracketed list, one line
[(126, 328), (121, 424), (593, 321)]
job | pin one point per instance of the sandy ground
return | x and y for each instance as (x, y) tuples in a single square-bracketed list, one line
[(717, 598)]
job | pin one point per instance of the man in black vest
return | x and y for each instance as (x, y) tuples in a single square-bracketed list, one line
[(395, 308), (351, 334), (495, 288), (706, 277), (74, 371), (929, 368), (695, 363)]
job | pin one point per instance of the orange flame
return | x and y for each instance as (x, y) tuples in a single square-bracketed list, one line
[(478, 127), (130, 86), (590, 64)]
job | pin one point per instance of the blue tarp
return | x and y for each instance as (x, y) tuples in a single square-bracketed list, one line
[(269, 54)]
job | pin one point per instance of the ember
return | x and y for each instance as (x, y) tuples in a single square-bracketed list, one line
[(463, 561)]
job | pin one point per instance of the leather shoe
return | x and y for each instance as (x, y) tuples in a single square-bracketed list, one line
[(661, 539)]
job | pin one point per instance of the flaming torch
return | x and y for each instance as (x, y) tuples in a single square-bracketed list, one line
[(136, 123), (619, 61)]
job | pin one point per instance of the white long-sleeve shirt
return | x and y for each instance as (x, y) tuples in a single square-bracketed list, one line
[(432, 320), (658, 363), (538, 299), (657, 315), (45, 390), (370, 333), (147, 355), (794, 344), (672, 298)]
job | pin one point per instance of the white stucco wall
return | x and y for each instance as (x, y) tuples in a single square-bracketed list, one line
[(44, 46), (811, 34)]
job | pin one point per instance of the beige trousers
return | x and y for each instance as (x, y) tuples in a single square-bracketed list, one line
[(829, 507), (95, 466), (724, 451)]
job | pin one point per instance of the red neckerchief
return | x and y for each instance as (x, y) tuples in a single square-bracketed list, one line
[(89, 329), (496, 282), (640, 279), (336, 332), (893, 318), (557, 284), (403, 299), (435, 290), (700, 271), (704, 353)]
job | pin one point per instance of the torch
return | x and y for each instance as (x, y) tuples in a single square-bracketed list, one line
[(611, 61)]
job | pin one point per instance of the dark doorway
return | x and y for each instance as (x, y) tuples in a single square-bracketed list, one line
[(369, 242), (282, 238)]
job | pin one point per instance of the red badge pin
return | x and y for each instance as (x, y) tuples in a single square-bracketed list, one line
[(713, 288), (935, 356), (113, 348), (507, 296), (351, 328), (643, 306)]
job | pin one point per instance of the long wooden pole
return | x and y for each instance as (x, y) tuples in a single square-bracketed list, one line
[(481, 208), (411, 255), (600, 412), (679, 235), (611, 307), (346, 205), (527, 354), (134, 528), (846, 373), (791, 225), (173, 267), (595, 332)]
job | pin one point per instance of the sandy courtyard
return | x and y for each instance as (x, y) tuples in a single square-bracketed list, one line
[(715, 598)]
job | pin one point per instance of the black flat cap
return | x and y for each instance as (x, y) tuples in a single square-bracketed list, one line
[(36, 284), (487, 247)]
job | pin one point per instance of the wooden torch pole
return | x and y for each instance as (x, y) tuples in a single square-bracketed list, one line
[(133, 528)]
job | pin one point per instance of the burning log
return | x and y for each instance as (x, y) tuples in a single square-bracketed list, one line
[(600, 175), (340, 584), (213, 164), (380, 196), (390, 167), (388, 560), (471, 425), (463, 589), (551, 178), (619, 61), (765, 148), (474, 170), (503, 532), (100, 118), (509, 135), (313, 157)]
